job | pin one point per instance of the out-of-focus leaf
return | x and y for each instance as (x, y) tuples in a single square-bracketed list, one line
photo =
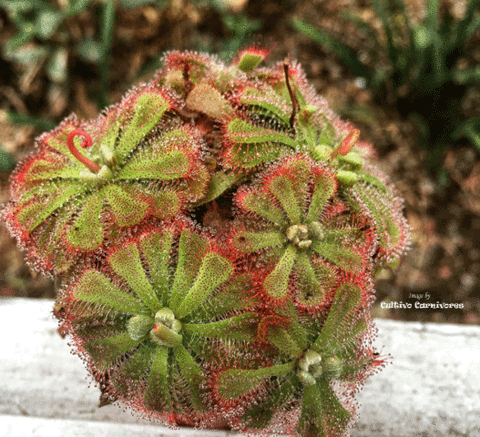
[(467, 26), (77, 6), (364, 26), (57, 65), (383, 10), (470, 76), (242, 27), (90, 50), (20, 6), (106, 36), (7, 162), (345, 53), (470, 129), (41, 124), (473, 27), (47, 23), (19, 39), (26, 55), (135, 3)]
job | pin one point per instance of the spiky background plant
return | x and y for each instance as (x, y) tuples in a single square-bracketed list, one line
[(217, 235)]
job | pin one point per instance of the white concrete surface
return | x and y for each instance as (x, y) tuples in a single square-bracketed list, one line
[(14, 426), (432, 389)]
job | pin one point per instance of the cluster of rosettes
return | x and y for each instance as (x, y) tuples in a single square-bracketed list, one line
[(217, 233)]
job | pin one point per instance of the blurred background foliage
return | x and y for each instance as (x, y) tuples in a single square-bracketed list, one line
[(423, 76), (407, 72)]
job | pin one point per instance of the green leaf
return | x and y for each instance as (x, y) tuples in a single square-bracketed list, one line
[(191, 248), (249, 61), (127, 209), (282, 188), (259, 203), (242, 132), (324, 188), (322, 413), (368, 29), (248, 242), (473, 27), (208, 100), (235, 296), (38, 191), (214, 271), (314, 281), (52, 167), (156, 249), (467, 77), (192, 374), (249, 156), (340, 317), (372, 180), (148, 111), (276, 283), (35, 213), (341, 255), (353, 159), (312, 415), (19, 7), (265, 102), (282, 339), (165, 204), (351, 371), (261, 414), (157, 395), (140, 326), (86, 232), (219, 183), (165, 336), (241, 327), (126, 263), (135, 3), (106, 350), (233, 383), (148, 165), (106, 38), (57, 68), (95, 287), (385, 14), (387, 229), (136, 368), (336, 417)]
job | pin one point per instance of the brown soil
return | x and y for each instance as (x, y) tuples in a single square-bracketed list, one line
[(444, 259)]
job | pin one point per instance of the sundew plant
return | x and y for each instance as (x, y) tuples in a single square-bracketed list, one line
[(216, 234)]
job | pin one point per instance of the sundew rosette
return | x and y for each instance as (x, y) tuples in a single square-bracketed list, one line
[(89, 183), (307, 387), (146, 316), (170, 326), (254, 116), (217, 233), (301, 234)]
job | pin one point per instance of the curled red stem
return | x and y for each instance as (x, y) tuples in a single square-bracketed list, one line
[(87, 142)]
